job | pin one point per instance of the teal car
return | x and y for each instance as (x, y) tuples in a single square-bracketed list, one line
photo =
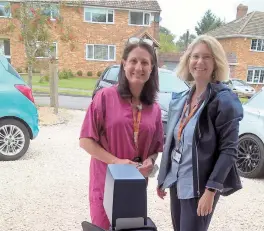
[(18, 113)]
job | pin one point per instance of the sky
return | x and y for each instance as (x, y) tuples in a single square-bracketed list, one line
[(180, 15)]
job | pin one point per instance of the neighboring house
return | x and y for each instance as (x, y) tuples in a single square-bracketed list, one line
[(244, 37), (170, 60), (98, 30)]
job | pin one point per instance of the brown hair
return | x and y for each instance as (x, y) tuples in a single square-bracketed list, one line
[(151, 87)]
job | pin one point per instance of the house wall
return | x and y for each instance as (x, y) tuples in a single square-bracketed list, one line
[(71, 54), (245, 57)]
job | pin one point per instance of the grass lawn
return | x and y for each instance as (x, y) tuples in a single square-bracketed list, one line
[(76, 83)]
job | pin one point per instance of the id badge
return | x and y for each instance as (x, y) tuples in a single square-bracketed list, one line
[(176, 155)]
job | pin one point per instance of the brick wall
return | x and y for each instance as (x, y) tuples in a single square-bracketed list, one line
[(84, 33), (245, 57)]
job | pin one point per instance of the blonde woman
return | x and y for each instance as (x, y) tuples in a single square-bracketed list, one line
[(198, 161)]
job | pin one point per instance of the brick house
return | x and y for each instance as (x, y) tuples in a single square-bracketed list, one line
[(244, 38), (99, 29)]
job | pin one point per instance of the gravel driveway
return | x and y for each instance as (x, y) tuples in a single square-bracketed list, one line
[(47, 189)]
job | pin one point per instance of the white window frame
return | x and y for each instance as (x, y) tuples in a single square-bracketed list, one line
[(100, 8), (101, 60), (56, 44), (254, 69), (258, 40), (144, 13), (8, 3)]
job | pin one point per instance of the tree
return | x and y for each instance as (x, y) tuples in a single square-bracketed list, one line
[(167, 38), (208, 22), (183, 41), (37, 22)]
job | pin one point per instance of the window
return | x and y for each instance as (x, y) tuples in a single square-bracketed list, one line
[(257, 44), (46, 53), (256, 75), (5, 48), (51, 10), (98, 15), (5, 10), (139, 18), (100, 52)]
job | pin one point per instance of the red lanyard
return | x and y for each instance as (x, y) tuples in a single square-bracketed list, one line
[(136, 123), (184, 120)]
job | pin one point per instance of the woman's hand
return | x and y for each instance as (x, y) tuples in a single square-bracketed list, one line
[(205, 204), (161, 193), (146, 167)]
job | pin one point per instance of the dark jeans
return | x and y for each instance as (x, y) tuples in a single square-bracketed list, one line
[(184, 213)]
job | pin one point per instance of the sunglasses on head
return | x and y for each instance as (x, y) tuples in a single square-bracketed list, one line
[(135, 40)]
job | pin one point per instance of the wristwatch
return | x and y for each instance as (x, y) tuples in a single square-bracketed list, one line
[(211, 190)]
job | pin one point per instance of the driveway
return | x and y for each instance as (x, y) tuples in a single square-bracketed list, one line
[(69, 102), (48, 189)]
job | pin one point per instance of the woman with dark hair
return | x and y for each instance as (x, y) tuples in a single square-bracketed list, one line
[(123, 123)]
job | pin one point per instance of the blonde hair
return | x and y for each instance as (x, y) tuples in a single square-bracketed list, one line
[(221, 68)]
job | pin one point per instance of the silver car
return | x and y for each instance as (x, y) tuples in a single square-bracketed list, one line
[(251, 138), (241, 88)]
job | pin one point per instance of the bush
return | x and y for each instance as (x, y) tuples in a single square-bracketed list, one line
[(64, 74), (99, 73), (19, 70), (46, 78), (89, 73), (79, 73)]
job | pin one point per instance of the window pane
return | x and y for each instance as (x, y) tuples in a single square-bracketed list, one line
[(256, 76), (98, 15), (136, 18), (50, 10), (101, 52), (261, 79), (250, 76), (254, 44), (90, 52), (2, 48), (88, 16), (262, 44), (4, 9), (111, 53), (7, 47), (110, 16), (147, 19), (259, 44)]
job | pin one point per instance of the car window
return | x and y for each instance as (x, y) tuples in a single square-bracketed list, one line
[(238, 83), (112, 74), (257, 101), (12, 71), (169, 82)]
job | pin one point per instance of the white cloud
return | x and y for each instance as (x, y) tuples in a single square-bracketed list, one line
[(178, 16)]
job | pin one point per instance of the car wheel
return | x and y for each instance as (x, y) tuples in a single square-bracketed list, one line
[(250, 161), (14, 139)]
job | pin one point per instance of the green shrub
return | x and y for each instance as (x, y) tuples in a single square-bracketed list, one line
[(89, 73), (19, 70), (64, 74), (79, 73), (46, 78), (99, 73)]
